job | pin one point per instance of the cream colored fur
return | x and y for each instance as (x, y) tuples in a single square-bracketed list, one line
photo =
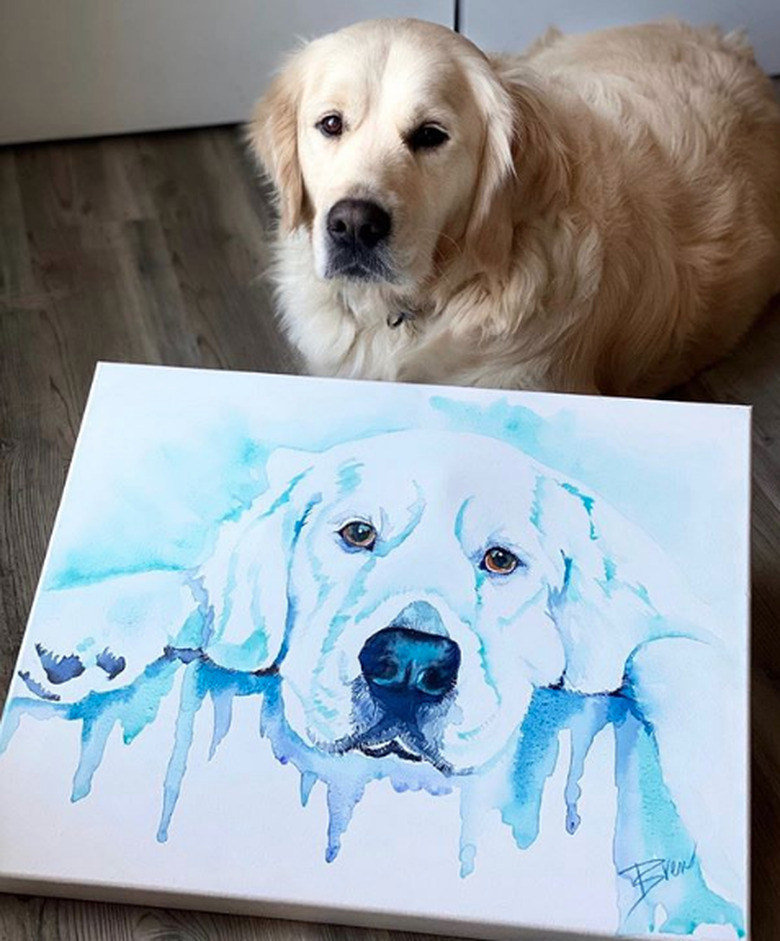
[(604, 218)]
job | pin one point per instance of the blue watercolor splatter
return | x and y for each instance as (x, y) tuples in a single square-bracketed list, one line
[(110, 664), (35, 687), (59, 669)]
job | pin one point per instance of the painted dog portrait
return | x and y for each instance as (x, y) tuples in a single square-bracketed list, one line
[(439, 611)]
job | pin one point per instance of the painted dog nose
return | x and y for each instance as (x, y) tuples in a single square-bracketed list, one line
[(357, 223), (406, 668)]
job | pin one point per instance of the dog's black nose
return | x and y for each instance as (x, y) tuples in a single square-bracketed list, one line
[(406, 668), (358, 223)]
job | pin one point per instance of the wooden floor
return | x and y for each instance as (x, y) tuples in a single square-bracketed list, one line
[(151, 249)]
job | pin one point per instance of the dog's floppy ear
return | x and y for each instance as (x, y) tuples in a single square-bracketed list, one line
[(489, 229), (617, 590), (246, 577), (524, 158), (273, 137)]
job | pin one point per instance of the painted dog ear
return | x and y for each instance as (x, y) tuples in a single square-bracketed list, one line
[(246, 577), (617, 589)]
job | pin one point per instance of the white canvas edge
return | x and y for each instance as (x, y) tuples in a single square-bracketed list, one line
[(291, 910), (748, 503), (463, 391)]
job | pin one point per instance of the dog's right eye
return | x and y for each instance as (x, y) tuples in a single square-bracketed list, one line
[(332, 125), (359, 535), (427, 137), (500, 561)]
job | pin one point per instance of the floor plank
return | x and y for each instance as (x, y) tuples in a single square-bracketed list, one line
[(219, 249)]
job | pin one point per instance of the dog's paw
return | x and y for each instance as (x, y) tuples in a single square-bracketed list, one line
[(52, 677), (100, 637)]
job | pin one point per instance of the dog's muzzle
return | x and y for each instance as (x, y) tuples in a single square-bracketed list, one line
[(407, 673), (357, 235), (408, 680)]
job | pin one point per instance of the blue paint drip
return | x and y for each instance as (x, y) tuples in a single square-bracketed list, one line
[(191, 701), (134, 707), (201, 677), (585, 726), (341, 805), (94, 738), (345, 777), (649, 831), (308, 780), (468, 856), (535, 761), (222, 701)]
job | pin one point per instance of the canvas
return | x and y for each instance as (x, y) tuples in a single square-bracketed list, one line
[(391, 655)]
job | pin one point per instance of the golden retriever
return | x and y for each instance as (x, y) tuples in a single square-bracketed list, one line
[(601, 214)]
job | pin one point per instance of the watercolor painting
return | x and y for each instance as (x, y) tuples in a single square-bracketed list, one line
[(436, 600)]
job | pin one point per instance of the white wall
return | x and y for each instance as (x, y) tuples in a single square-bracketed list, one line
[(73, 68), (504, 25)]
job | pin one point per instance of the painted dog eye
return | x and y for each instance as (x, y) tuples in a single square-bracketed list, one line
[(427, 137), (499, 561), (359, 535), (332, 125)]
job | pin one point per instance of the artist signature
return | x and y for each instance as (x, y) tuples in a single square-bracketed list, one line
[(645, 876)]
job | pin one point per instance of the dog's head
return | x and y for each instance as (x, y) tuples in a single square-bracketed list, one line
[(392, 141), (414, 589)]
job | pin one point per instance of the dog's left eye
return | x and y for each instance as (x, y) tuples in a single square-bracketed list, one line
[(427, 137), (359, 535), (332, 125), (499, 561)]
